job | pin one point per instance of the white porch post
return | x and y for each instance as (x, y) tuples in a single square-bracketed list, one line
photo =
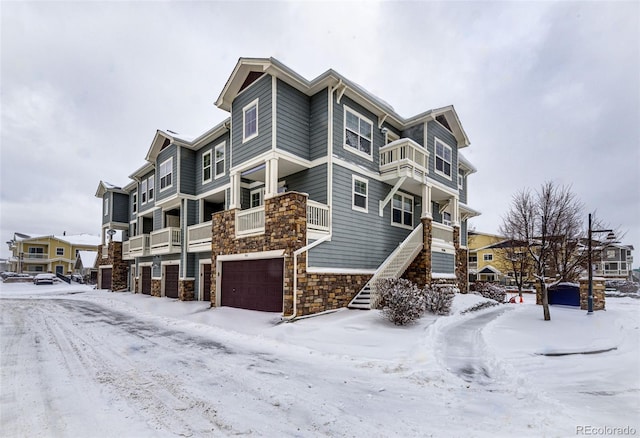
[(455, 212), (426, 202), (234, 191), (271, 178)]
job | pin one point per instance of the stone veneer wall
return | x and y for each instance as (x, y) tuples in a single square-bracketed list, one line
[(156, 288), (462, 260), (119, 267), (419, 271), (186, 290), (598, 293)]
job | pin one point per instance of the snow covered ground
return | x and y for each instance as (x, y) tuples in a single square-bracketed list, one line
[(80, 362)]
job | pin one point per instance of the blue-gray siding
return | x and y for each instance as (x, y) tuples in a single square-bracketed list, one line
[(192, 213), (292, 120), (360, 240), (242, 152), (318, 124), (442, 263), (312, 181), (157, 219), (435, 129), (463, 233), (120, 208), (415, 133), (188, 171)]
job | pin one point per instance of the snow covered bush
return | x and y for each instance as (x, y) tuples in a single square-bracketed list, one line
[(438, 298), (623, 286), (491, 291), (402, 301)]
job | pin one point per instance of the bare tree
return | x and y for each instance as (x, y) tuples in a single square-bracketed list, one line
[(544, 222)]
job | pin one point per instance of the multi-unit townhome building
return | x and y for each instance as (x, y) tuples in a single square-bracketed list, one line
[(296, 203), (615, 262), (55, 254)]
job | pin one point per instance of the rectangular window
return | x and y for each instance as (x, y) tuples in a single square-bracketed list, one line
[(473, 258), (611, 254), (219, 160), (358, 133), (360, 194), (488, 257), (59, 251), (443, 159), (256, 197), (151, 181), (106, 207), (166, 174), (143, 191), (446, 218), (250, 121), (460, 179), (134, 195), (402, 210), (206, 167)]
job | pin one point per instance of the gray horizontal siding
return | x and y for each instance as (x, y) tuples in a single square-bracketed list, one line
[(242, 152), (338, 135), (188, 171), (120, 208), (463, 233), (442, 263), (435, 129), (192, 213), (292, 134), (191, 268), (157, 219), (360, 240), (415, 133), (311, 181), (318, 124)]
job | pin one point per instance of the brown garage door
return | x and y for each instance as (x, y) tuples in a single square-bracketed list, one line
[(206, 282), (105, 282), (146, 280), (171, 281), (253, 284)]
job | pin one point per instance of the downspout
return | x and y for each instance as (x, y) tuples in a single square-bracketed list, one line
[(296, 253)]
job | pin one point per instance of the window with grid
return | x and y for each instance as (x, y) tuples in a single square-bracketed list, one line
[(206, 166), (150, 186), (360, 194), (143, 191), (166, 174), (219, 160), (358, 132), (443, 159), (250, 121), (402, 210)]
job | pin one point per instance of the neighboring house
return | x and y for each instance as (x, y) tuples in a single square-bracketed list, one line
[(296, 203), (615, 262), (85, 265), (55, 254), (4, 265), (486, 259)]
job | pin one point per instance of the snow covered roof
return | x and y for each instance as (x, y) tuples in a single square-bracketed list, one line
[(80, 239), (104, 186), (87, 258)]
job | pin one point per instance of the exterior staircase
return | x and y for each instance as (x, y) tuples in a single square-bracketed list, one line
[(393, 267)]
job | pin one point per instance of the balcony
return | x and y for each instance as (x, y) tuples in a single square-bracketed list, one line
[(317, 219), (35, 258), (442, 232), (404, 158), (165, 241), (126, 254), (199, 237), (139, 246), (250, 222)]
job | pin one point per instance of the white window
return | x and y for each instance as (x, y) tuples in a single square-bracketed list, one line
[(135, 201), (446, 218), (143, 191), (59, 251), (206, 167), (106, 207), (151, 186), (402, 210), (219, 160), (488, 257), (257, 197), (250, 121), (166, 174), (358, 133), (360, 194), (460, 179), (443, 159)]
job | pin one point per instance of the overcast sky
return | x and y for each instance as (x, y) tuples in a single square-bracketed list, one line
[(544, 90)]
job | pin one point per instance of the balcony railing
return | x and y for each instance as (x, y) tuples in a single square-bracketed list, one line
[(165, 241), (126, 254), (404, 157), (317, 217), (199, 237), (34, 256), (250, 221), (139, 246), (442, 232)]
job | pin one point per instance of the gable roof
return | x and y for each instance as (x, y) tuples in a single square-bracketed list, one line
[(342, 85), (104, 187), (86, 259)]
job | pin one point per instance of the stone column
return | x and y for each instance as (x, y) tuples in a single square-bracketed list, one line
[(598, 293), (462, 260), (186, 290)]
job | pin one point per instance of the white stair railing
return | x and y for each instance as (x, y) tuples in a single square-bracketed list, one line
[(395, 265)]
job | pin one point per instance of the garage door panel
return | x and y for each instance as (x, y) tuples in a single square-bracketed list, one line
[(146, 280), (171, 281), (105, 282), (206, 282), (253, 284)]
